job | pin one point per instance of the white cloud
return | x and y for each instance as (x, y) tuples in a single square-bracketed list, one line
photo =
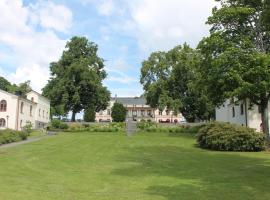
[(32, 49), (119, 76), (106, 7), (52, 16), (163, 24)]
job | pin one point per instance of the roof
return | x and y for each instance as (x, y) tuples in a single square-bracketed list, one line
[(130, 100), (16, 96), (39, 94)]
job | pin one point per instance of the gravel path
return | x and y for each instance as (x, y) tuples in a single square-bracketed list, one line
[(29, 140)]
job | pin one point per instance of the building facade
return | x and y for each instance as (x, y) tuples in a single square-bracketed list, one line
[(137, 109), (16, 111), (240, 114)]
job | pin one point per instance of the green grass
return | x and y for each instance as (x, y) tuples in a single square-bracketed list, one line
[(111, 166)]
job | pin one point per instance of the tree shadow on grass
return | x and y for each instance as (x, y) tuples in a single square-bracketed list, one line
[(199, 174)]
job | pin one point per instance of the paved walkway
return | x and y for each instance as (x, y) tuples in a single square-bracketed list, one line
[(29, 140)]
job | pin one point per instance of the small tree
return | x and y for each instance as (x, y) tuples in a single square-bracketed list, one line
[(119, 112), (90, 114)]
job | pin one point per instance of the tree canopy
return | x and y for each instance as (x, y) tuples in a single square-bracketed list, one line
[(168, 79), (23, 88), (236, 60), (119, 112), (76, 79)]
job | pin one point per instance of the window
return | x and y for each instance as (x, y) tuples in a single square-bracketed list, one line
[(22, 104), (3, 106), (233, 112), (149, 113), (108, 112), (39, 111), (21, 124), (143, 112), (31, 109), (242, 109), (2, 122), (160, 113), (134, 113), (47, 115), (32, 99), (43, 114), (167, 112)]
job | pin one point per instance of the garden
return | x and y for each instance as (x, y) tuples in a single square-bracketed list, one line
[(155, 163)]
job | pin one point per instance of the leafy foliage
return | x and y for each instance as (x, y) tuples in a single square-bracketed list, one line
[(227, 137), (89, 114), (76, 79), (168, 79), (23, 88), (8, 136), (119, 112), (236, 60)]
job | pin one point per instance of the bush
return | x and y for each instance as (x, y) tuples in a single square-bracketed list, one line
[(228, 137), (8, 136), (146, 125), (119, 112), (58, 124), (89, 114)]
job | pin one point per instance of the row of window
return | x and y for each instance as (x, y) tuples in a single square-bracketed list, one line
[(3, 108), (241, 110), (3, 123)]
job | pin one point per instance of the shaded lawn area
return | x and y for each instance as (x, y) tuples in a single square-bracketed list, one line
[(111, 166)]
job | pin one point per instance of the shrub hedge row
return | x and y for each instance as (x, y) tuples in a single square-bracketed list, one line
[(228, 137), (8, 136)]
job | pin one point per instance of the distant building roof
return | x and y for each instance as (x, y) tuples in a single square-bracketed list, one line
[(130, 100)]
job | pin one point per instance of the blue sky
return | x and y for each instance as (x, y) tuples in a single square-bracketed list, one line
[(33, 33)]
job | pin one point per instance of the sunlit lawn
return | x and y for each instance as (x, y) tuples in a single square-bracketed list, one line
[(111, 166)]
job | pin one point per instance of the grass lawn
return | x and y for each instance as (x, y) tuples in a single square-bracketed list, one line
[(111, 166)]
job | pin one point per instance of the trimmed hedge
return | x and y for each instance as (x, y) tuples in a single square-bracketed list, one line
[(8, 136), (227, 137)]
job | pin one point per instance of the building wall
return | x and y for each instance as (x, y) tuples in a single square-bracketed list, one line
[(139, 112), (25, 116), (16, 118), (225, 113), (252, 120), (9, 115), (42, 111)]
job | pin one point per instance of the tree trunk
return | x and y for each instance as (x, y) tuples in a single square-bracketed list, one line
[(265, 120), (73, 118)]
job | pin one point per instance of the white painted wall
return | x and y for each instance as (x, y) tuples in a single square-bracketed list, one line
[(11, 109), (18, 119), (224, 114)]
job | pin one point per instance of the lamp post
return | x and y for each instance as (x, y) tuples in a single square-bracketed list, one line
[(7, 120)]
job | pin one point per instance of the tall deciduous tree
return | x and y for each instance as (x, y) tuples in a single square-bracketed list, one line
[(168, 80), (236, 61), (76, 79)]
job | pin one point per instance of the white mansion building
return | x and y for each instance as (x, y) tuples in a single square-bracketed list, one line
[(16, 111), (240, 114), (137, 109)]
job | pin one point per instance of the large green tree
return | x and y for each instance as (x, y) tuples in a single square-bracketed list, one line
[(168, 80), (236, 60), (76, 79)]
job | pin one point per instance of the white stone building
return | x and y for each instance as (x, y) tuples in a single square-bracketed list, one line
[(16, 111), (240, 113), (137, 109)]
